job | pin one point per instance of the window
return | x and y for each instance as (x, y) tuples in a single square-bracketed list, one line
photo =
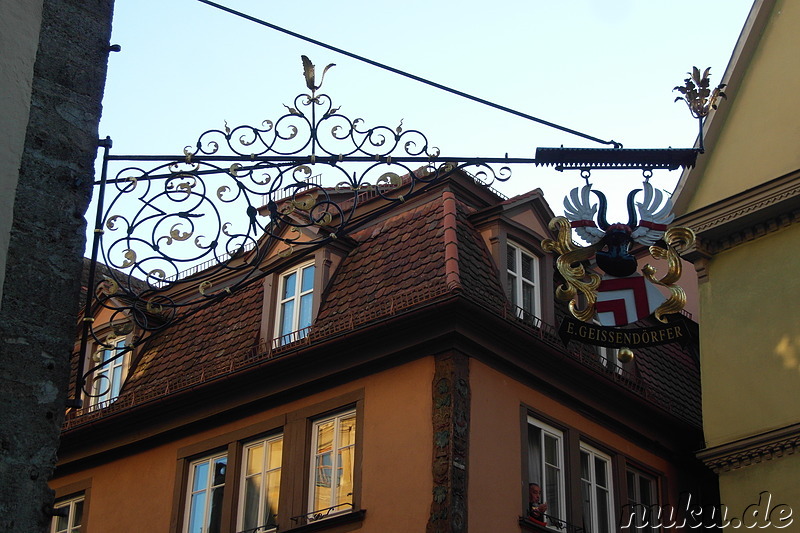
[(607, 355), (107, 380), (260, 486), (641, 501), (260, 492), (332, 462), (546, 468), (596, 490), (608, 358), (522, 281), (72, 518), (295, 304), (204, 498)]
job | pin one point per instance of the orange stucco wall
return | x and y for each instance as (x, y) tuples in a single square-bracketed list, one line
[(134, 493), (496, 482)]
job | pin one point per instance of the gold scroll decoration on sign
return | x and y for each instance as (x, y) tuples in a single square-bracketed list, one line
[(569, 264), (678, 240)]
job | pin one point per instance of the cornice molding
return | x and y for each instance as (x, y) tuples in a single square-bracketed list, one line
[(744, 217), (752, 450)]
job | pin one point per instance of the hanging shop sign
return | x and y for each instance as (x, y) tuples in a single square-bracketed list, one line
[(623, 294)]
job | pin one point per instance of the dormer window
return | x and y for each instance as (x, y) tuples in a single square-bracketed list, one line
[(107, 380), (295, 304), (522, 281)]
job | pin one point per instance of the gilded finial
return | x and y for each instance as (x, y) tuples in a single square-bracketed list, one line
[(697, 94), (700, 98), (308, 73)]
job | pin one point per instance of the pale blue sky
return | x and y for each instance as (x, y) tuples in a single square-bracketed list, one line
[(606, 68)]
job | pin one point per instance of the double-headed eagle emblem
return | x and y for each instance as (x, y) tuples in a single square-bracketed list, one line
[(610, 245), (652, 222)]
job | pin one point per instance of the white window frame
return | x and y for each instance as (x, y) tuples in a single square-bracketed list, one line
[(208, 489), (336, 507), (593, 523), (556, 502), (608, 355), (72, 504), (105, 389), (634, 493), (609, 359), (515, 285), (296, 331), (265, 472)]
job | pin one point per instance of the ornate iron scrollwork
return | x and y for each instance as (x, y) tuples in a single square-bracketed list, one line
[(176, 225)]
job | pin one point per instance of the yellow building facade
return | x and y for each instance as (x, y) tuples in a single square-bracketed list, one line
[(743, 202)]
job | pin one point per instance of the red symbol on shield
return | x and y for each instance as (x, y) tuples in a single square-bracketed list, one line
[(622, 301)]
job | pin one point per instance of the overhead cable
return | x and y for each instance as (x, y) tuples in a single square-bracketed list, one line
[(409, 75)]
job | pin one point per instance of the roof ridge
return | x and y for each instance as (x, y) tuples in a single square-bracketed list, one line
[(451, 268), (523, 196), (369, 233)]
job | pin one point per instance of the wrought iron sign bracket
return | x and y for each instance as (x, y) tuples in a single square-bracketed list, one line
[(176, 234), (616, 158)]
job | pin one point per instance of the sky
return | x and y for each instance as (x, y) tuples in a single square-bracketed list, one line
[(606, 68)]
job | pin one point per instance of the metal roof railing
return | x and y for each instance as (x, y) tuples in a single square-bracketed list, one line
[(267, 350)]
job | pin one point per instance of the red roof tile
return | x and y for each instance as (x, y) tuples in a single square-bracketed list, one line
[(230, 326), (415, 254)]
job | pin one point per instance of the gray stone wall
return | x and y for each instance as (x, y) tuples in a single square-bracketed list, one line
[(40, 293)]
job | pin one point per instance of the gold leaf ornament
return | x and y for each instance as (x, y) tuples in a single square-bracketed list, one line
[(389, 178), (199, 244), (111, 223), (176, 234), (267, 179), (305, 203), (308, 73), (325, 220), (130, 258), (187, 186), (569, 265), (109, 287), (204, 287), (300, 173), (286, 252), (678, 240), (154, 308), (122, 328)]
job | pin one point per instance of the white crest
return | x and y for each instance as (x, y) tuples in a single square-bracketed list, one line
[(580, 212), (653, 218)]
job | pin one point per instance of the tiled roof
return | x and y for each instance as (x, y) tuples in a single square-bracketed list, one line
[(230, 326), (672, 374), (480, 278), (407, 253), (402, 253), (416, 255), (668, 374)]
